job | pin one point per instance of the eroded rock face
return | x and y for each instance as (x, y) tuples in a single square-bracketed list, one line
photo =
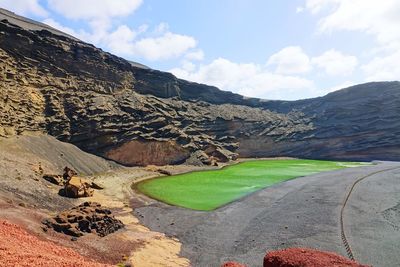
[(138, 116), (361, 122), (97, 101), (151, 152)]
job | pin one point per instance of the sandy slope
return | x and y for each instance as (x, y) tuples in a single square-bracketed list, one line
[(26, 199)]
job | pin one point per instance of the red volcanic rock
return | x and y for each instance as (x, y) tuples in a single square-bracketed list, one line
[(19, 248), (304, 257), (232, 264)]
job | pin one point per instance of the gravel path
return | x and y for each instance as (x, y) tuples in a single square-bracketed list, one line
[(300, 212)]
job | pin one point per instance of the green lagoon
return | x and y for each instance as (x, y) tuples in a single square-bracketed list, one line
[(208, 190)]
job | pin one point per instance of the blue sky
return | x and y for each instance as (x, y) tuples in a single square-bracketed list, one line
[(282, 49)]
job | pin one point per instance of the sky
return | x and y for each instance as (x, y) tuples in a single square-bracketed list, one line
[(271, 49)]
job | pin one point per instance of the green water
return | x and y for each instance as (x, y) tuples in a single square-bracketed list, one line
[(208, 190)]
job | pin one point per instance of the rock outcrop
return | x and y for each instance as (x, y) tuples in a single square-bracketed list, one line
[(77, 187), (305, 257), (73, 186), (52, 83), (301, 257), (88, 217)]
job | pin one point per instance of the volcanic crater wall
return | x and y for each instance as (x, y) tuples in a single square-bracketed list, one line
[(137, 116)]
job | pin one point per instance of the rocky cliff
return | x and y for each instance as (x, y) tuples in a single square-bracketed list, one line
[(134, 115)]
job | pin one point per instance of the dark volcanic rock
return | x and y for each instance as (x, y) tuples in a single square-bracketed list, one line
[(54, 179), (137, 116), (88, 217), (92, 99), (361, 122)]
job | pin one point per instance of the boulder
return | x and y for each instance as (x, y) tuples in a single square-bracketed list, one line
[(164, 171), (199, 158), (89, 217), (77, 187), (74, 186), (220, 154), (68, 173), (305, 257)]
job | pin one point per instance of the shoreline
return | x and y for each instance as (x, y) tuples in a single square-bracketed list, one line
[(193, 168), (245, 229), (141, 199), (141, 245)]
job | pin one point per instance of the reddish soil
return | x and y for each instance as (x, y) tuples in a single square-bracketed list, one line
[(232, 264), (110, 249), (19, 248), (304, 257)]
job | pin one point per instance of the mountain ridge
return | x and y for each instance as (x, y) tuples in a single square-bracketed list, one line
[(137, 116)]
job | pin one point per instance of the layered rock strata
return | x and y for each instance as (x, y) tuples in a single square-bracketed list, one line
[(134, 115)]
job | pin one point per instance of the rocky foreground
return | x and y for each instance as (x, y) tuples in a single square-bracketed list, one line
[(30, 200), (55, 84), (301, 257), (19, 248)]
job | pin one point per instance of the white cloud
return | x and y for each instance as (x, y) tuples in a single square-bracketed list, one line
[(99, 30), (94, 9), (120, 41), (98, 15), (169, 45), (124, 41), (299, 9), (383, 68), (379, 18), (195, 55), (335, 63), (24, 7), (161, 28), (290, 60), (128, 42), (316, 6), (247, 79), (188, 66)]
